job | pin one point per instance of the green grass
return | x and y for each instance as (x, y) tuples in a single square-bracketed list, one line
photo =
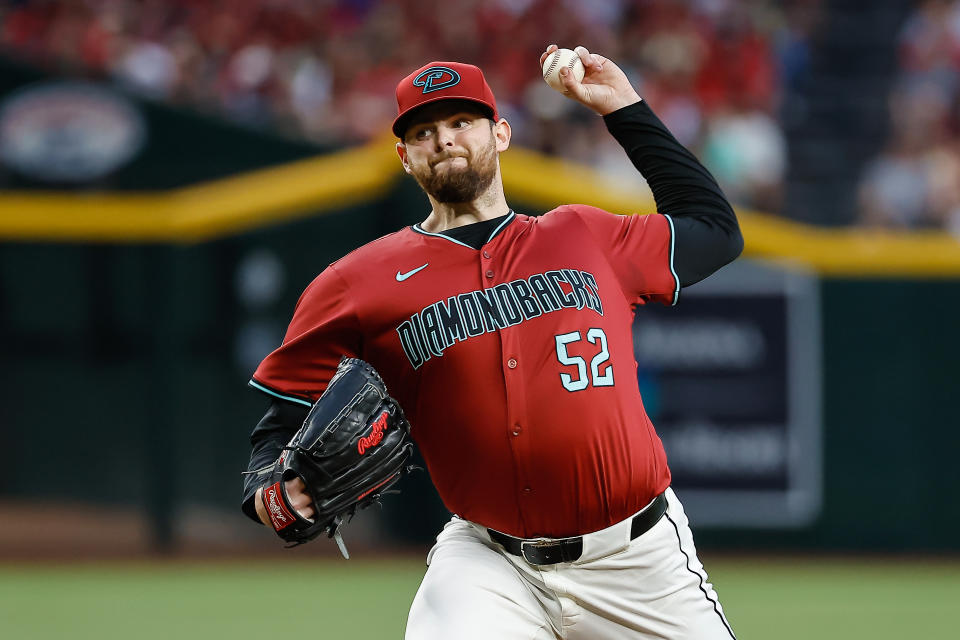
[(844, 599), (782, 599)]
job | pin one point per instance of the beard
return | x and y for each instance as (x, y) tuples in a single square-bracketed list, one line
[(456, 185)]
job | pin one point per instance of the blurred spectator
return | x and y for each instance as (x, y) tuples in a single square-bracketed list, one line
[(915, 181), (747, 152), (149, 68), (326, 69)]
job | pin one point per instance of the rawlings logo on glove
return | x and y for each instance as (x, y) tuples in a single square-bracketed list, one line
[(372, 440), (279, 515), (353, 446)]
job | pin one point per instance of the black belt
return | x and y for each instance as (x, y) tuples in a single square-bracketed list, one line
[(554, 550)]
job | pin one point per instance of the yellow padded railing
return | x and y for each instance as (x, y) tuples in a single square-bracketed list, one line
[(326, 183)]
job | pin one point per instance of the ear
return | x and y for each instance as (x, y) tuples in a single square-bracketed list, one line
[(402, 152), (502, 133)]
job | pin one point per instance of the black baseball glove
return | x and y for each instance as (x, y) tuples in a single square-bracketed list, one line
[(353, 446)]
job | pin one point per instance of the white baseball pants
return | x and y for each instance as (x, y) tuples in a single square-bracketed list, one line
[(652, 587)]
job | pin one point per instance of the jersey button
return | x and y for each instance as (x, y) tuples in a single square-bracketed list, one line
[(486, 254), (489, 273), (516, 429), (512, 363)]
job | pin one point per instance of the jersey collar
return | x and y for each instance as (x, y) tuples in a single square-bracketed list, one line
[(493, 234)]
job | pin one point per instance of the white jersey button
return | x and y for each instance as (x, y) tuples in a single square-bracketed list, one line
[(489, 273), (486, 254), (512, 363)]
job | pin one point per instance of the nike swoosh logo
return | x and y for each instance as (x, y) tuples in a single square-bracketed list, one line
[(403, 276)]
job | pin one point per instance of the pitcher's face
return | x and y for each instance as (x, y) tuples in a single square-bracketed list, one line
[(451, 150)]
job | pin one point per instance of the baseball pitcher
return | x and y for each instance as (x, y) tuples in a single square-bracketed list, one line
[(506, 340)]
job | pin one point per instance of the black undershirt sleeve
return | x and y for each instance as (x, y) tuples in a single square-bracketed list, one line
[(706, 233), (269, 436)]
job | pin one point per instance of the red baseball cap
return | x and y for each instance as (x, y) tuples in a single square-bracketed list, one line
[(437, 81)]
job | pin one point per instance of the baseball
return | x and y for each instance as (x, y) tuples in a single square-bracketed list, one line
[(557, 60)]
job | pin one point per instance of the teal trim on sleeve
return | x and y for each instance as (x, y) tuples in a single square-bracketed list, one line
[(260, 387), (676, 278)]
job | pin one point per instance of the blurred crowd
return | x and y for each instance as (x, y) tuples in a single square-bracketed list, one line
[(715, 70), (915, 181)]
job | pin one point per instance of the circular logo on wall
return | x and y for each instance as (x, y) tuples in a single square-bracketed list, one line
[(68, 131)]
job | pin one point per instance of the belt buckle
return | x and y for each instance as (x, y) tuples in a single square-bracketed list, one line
[(543, 551), (534, 545)]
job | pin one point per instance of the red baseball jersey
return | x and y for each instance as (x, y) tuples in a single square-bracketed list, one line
[(514, 362)]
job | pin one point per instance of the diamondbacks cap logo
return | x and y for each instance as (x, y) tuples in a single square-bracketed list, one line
[(440, 80), (437, 78)]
